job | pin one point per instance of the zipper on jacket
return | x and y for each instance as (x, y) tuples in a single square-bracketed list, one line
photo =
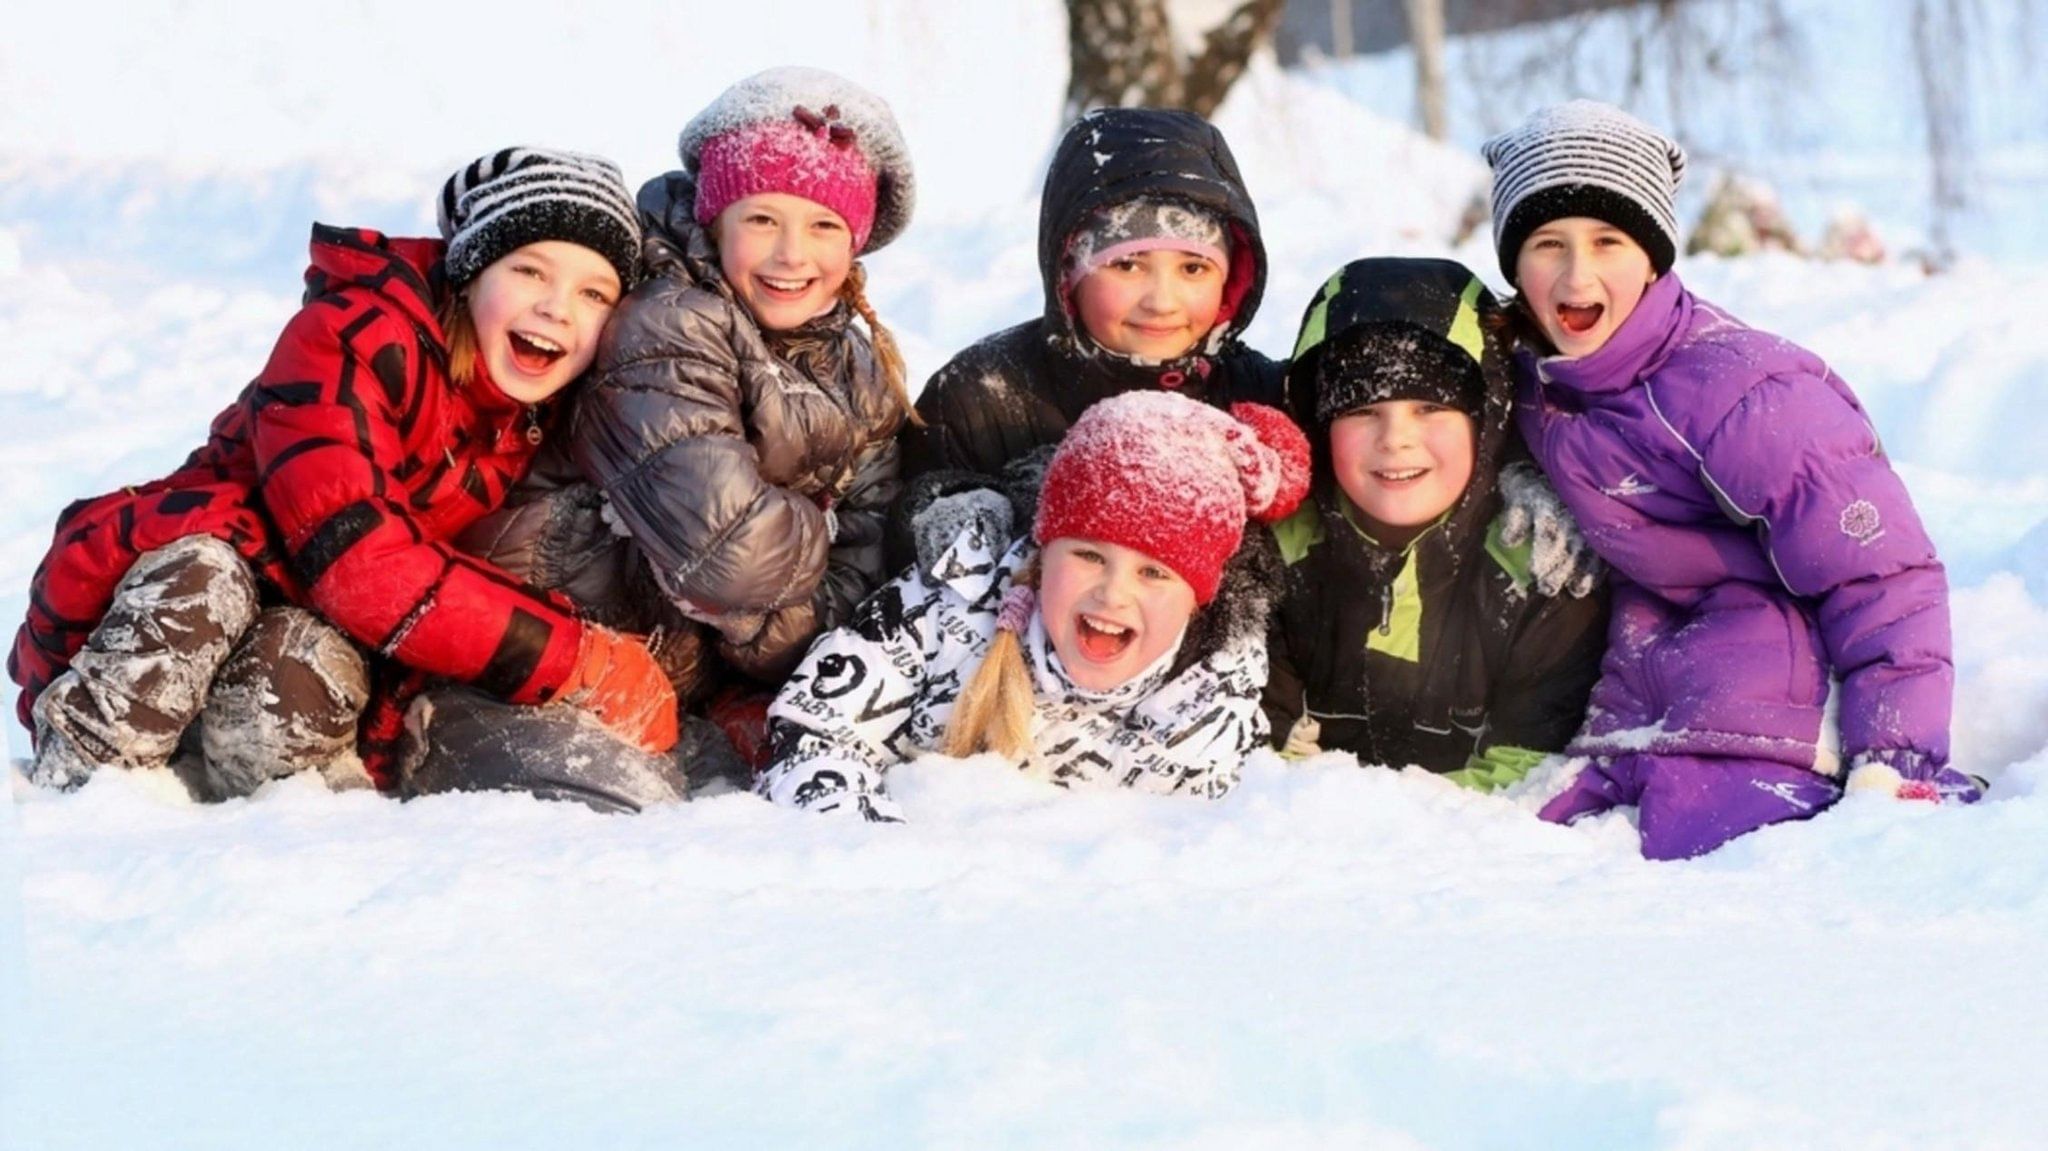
[(1386, 609)]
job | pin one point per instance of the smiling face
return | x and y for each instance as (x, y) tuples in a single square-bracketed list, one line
[(1109, 610), (538, 311), (1403, 463), (785, 257), (1156, 304), (1581, 278)]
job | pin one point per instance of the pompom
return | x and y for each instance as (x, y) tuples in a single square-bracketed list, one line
[(1281, 481)]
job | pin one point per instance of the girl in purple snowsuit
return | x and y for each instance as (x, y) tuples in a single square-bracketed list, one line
[(1759, 539)]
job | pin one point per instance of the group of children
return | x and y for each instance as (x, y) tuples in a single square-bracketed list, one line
[(1132, 549)]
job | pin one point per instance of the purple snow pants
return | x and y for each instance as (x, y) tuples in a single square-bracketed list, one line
[(1690, 805)]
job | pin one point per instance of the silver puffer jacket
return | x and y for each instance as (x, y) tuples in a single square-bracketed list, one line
[(716, 451)]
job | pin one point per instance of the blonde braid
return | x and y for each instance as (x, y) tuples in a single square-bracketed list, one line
[(994, 710), (887, 356)]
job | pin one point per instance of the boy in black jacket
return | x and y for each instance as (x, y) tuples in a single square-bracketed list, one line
[(1410, 632)]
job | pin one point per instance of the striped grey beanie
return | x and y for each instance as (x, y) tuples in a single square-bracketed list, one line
[(1585, 158), (519, 196)]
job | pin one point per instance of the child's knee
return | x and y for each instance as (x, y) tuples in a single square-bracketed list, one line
[(143, 675), (288, 699)]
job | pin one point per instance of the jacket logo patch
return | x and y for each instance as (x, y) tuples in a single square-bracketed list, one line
[(1860, 522), (1630, 485)]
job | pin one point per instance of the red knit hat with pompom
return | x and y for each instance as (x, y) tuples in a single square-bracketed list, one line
[(1173, 478)]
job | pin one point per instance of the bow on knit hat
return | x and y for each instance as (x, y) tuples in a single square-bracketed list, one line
[(508, 199), (1173, 478), (803, 132), (1585, 158)]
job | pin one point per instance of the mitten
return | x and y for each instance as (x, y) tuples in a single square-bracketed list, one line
[(1560, 561), (1905, 774), (984, 512), (616, 680), (742, 714)]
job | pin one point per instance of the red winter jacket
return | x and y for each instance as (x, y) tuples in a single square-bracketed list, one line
[(340, 473)]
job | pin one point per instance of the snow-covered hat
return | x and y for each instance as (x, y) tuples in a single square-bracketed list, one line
[(1585, 158), (803, 132), (513, 197), (1173, 478), (1379, 363), (1143, 225)]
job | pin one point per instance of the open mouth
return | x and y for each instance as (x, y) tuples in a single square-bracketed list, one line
[(1400, 475), (1578, 319), (784, 287), (1102, 641), (534, 354)]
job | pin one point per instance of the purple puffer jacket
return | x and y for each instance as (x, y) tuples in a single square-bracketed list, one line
[(1759, 539)]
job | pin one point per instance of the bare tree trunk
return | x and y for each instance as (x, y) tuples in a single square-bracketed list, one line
[(1122, 53), (1341, 45), (1941, 56), (1426, 36)]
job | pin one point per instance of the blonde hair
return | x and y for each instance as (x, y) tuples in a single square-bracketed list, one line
[(458, 329), (887, 355), (994, 710)]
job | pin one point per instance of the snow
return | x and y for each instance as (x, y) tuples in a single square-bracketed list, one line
[(1328, 957)]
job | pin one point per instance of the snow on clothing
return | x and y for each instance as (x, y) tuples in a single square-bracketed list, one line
[(881, 690), (1020, 388), (338, 475), (704, 453), (1759, 540), (1441, 653)]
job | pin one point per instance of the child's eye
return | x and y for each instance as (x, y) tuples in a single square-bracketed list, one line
[(760, 220), (827, 225), (1154, 572), (598, 296), (1125, 264), (527, 270), (1088, 555), (1195, 269)]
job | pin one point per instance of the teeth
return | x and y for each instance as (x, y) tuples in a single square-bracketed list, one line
[(784, 285), (1410, 474), (541, 342), (1104, 626)]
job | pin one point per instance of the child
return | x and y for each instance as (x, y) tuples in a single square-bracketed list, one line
[(1410, 632), (1112, 648), (1152, 263), (739, 429), (304, 546), (1760, 541)]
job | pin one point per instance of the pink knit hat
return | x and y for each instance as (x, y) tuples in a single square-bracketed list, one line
[(812, 153), (804, 132), (1173, 478)]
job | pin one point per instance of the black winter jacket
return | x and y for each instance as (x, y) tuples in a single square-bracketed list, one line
[(1020, 388), (1441, 651)]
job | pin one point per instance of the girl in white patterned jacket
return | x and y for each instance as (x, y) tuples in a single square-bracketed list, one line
[(1122, 643)]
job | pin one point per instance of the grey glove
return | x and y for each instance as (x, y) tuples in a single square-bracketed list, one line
[(984, 511), (1560, 561)]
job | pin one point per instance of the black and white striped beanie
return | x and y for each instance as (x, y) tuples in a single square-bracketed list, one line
[(1585, 158), (518, 196)]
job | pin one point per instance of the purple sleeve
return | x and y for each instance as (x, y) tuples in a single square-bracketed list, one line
[(1799, 455)]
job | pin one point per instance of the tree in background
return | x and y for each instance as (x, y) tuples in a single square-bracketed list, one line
[(1125, 53)]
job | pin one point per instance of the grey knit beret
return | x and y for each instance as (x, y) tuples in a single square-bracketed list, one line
[(776, 94), (1585, 158), (510, 198)]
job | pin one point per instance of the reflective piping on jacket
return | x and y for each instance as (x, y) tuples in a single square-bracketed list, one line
[(1314, 328), (1465, 332), (1729, 507)]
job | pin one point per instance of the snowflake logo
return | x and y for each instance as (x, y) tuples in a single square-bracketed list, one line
[(1860, 522)]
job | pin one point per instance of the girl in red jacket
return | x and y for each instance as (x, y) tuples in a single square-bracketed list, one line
[(295, 569)]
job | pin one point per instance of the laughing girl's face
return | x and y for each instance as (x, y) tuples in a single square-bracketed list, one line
[(784, 256), (1581, 278), (1110, 611), (538, 311)]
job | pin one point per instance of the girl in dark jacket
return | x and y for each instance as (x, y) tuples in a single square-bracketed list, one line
[(1149, 249), (300, 556), (1412, 631)]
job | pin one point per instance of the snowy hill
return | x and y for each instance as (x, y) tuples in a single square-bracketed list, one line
[(1330, 957)]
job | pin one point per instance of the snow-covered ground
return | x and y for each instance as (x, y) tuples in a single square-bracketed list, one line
[(1330, 957)]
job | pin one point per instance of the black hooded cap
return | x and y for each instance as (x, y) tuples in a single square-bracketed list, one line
[(1112, 155)]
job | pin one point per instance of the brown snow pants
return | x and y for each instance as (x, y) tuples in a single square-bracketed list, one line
[(187, 655)]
